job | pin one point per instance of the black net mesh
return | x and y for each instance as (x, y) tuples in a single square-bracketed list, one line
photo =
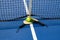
[(46, 8), (10, 9)]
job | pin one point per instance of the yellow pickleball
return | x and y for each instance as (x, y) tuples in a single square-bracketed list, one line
[(28, 19)]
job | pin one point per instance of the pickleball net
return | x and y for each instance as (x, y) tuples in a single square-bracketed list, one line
[(10, 9)]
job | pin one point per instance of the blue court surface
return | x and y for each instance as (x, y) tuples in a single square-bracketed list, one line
[(15, 8), (8, 31)]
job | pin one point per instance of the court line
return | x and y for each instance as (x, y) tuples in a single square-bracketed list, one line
[(26, 7), (33, 32), (31, 25)]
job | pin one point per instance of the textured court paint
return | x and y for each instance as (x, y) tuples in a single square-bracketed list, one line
[(10, 34), (33, 32), (43, 33)]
